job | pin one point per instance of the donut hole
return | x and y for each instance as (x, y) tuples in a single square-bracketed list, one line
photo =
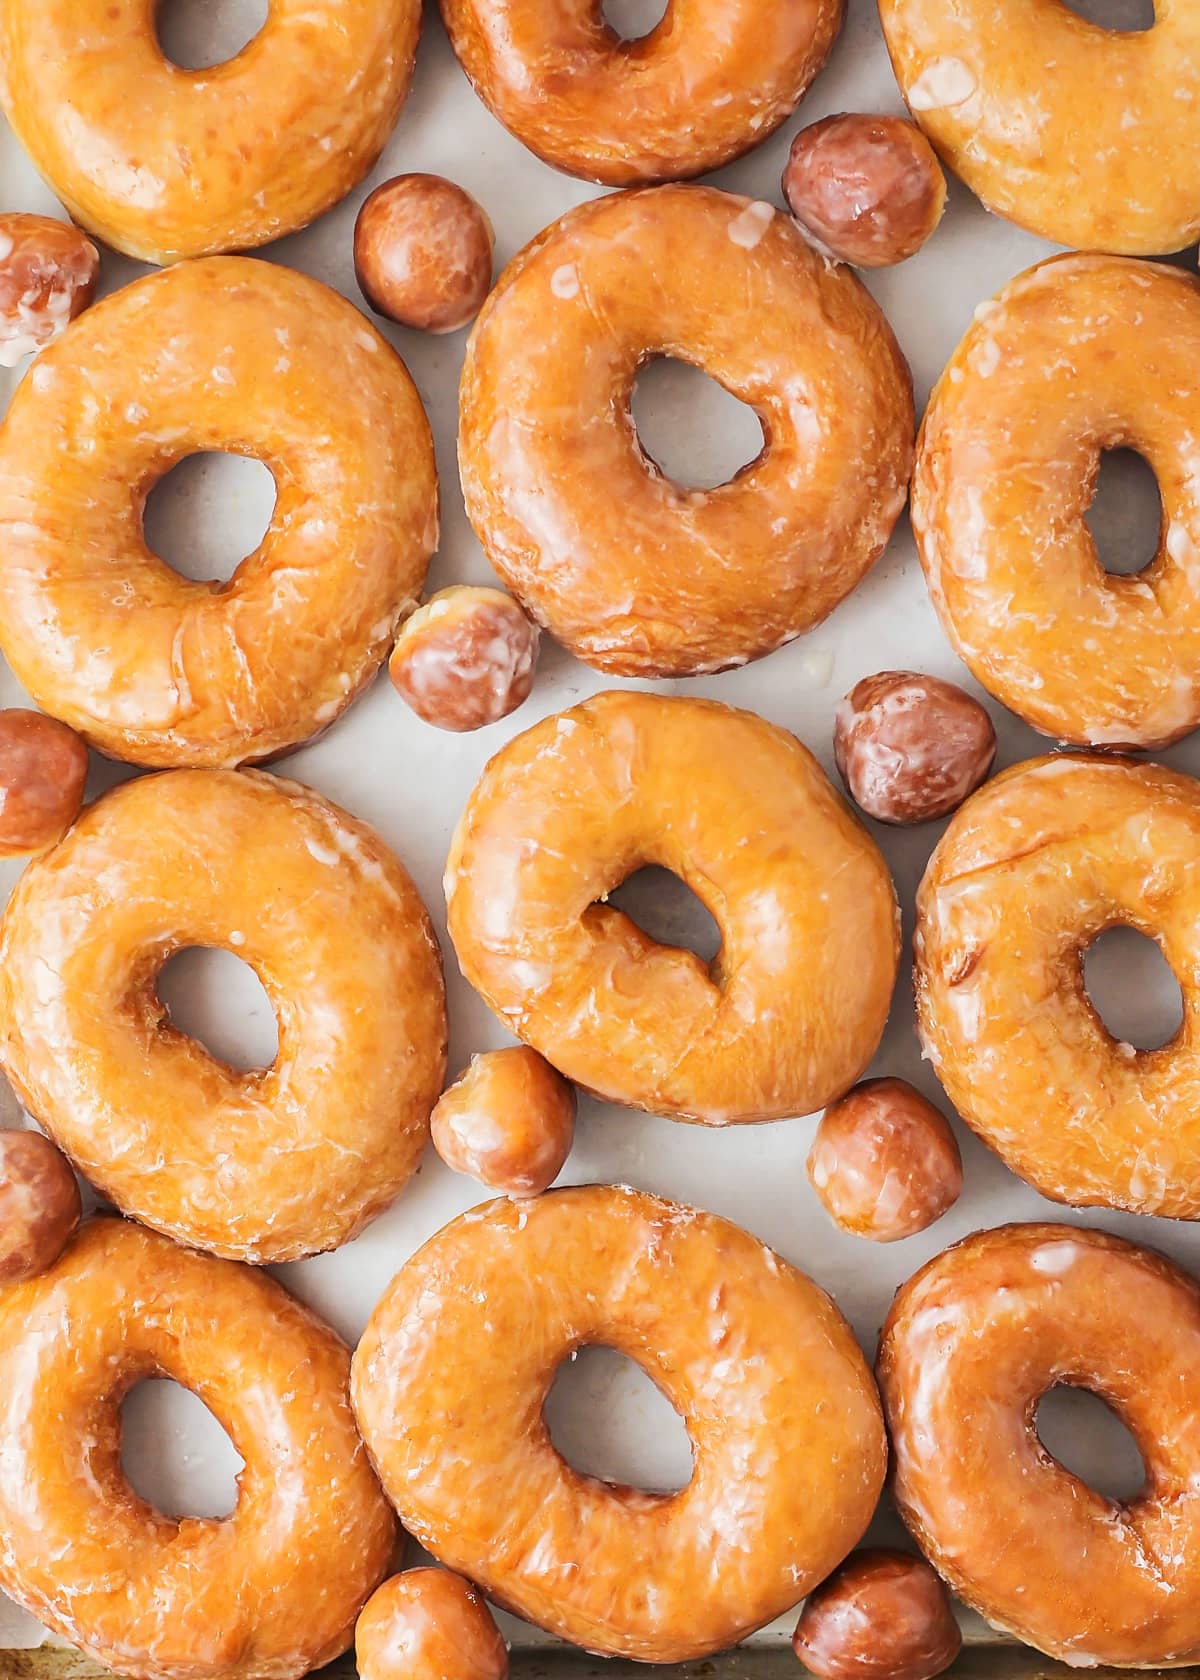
[(1126, 17), (215, 998), (607, 1418), (1133, 988), (698, 434), (1125, 517), (1083, 1433), (175, 1454), (633, 20), (668, 911), (195, 37), (208, 513)]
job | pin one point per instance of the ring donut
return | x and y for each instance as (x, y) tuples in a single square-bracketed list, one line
[(267, 1165), (1079, 355), (971, 1345), (164, 163), (791, 1009), (713, 79), (633, 573), (1031, 870), (270, 1592), (788, 1451), (1081, 134), (226, 354)]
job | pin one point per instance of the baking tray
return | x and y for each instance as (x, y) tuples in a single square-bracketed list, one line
[(411, 782)]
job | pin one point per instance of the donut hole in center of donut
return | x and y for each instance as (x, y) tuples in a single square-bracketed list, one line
[(175, 1454), (607, 1418), (1125, 17), (1082, 1432), (215, 998), (197, 36), (698, 434), (1125, 516), (1132, 988), (666, 909), (633, 20), (208, 513)]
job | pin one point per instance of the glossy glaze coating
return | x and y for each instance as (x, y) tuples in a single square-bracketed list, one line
[(429, 1624), (1029, 873), (270, 1592), (507, 1121), (1079, 355), (226, 354), (910, 747), (971, 1345), (39, 1205), (43, 768), (884, 1161), (454, 1367), (633, 573), (711, 80), (881, 1615), (423, 253), (466, 658), (267, 1165), (165, 163), (1080, 134), (867, 189), (789, 1012), (48, 274)]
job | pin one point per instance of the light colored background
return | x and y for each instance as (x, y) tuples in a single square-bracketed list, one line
[(411, 781)]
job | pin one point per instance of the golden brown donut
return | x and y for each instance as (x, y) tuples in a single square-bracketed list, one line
[(1031, 870), (1081, 354), (48, 275), (39, 1205), (1081, 134), (711, 80), (267, 1165), (633, 573), (165, 163), (269, 1593), (454, 1367), (791, 1009), (226, 354), (881, 1615), (508, 1120), (971, 1345), (428, 1624)]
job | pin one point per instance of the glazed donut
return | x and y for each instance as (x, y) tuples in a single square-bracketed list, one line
[(1032, 869), (235, 355), (971, 1345), (164, 163), (789, 1012), (1079, 355), (267, 1165), (633, 573), (454, 1367), (1081, 134), (269, 1593), (713, 79)]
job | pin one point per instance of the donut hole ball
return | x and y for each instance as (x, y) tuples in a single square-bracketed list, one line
[(868, 190), (423, 253), (39, 1205), (508, 1121), (428, 1624), (43, 768), (48, 274), (882, 1615), (884, 1161), (909, 747), (466, 658)]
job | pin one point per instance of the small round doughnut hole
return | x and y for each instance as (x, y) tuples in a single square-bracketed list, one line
[(911, 748), (39, 1205), (43, 766), (868, 190), (48, 274), (466, 658), (881, 1616), (508, 1121), (428, 1624), (884, 1161), (423, 253)]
